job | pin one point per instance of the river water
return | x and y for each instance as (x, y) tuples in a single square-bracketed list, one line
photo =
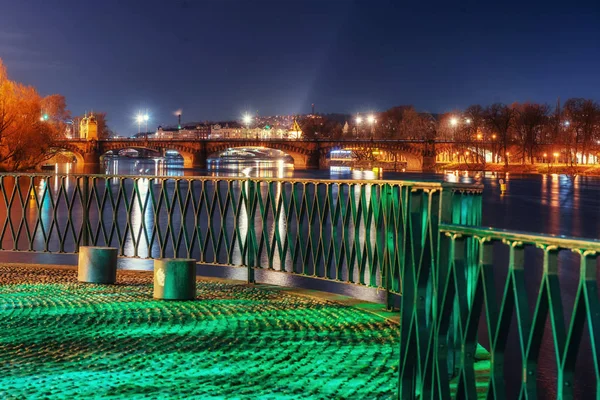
[(554, 204)]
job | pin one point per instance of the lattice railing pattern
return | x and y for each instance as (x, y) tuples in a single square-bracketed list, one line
[(468, 292), (353, 231)]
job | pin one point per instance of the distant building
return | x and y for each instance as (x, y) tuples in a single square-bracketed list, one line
[(226, 130), (88, 128), (200, 131), (346, 128), (295, 132)]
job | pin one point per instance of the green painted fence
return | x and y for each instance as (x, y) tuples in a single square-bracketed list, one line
[(468, 291), (380, 234), (373, 233)]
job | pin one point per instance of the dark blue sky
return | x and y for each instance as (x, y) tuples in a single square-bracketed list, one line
[(216, 59)]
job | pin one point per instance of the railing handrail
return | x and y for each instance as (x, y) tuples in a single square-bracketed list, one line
[(471, 187), (538, 239)]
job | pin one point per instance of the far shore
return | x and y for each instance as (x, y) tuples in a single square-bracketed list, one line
[(561, 169)]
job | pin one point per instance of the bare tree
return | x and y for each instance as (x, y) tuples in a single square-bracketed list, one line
[(473, 127), (499, 118), (529, 122), (582, 116)]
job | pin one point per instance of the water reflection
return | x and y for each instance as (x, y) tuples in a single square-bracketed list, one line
[(252, 168), (160, 166)]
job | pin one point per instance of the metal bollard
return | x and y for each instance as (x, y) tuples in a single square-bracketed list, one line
[(97, 265), (175, 279)]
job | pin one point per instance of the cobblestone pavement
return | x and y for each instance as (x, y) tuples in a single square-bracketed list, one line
[(62, 339)]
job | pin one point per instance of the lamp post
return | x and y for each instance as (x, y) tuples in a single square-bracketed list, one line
[(146, 118), (479, 137), (371, 120), (570, 159), (139, 119), (247, 120), (494, 148), (358, 122)]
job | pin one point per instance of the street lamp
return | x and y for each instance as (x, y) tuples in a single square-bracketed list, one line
[(453, 121), (139, 118), (371, 120), (247, 120), (358, 122), (146, 118)]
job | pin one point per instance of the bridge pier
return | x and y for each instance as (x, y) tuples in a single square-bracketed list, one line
[(197, 159), (312, 160), (91, 162), (428, 164)]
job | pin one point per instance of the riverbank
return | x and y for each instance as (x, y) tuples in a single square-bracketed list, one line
[(566, 169)]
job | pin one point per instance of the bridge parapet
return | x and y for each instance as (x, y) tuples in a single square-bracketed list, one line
[(308, 154)]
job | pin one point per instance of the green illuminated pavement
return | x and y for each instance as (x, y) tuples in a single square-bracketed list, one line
[(61, 339)]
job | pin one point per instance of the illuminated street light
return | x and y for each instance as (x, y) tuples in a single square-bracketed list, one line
[(567, 123), (141, 118), (479, 136), (468, 121), (358, 122), (371, 120), (453, 121), (247, 120)]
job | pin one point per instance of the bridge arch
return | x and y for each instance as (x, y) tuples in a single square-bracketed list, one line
[(301, 157), (412, 157), (75, 151), (60, 151), (189, 155)]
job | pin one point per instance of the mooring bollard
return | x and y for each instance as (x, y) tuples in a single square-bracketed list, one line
[(97, 264), (175, 279)]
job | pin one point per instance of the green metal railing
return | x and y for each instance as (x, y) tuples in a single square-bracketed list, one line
[(372, 233), (380, 234), (470, 288)]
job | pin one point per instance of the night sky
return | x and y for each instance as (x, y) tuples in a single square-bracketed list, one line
[(217, 59)]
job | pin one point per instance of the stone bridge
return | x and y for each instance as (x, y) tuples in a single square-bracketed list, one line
[(419, 155)]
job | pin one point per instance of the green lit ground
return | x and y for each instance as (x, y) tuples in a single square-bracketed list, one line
[(61, 339)]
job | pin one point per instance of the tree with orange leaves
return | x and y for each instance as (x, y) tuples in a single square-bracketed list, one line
[(29, 124)]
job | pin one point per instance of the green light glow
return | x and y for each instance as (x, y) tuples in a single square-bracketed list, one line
[(63, 339)]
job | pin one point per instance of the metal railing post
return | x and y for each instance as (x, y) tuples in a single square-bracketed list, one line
[(86, 211), (250, 234)]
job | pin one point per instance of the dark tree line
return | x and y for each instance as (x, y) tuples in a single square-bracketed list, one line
[(572, 130)]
